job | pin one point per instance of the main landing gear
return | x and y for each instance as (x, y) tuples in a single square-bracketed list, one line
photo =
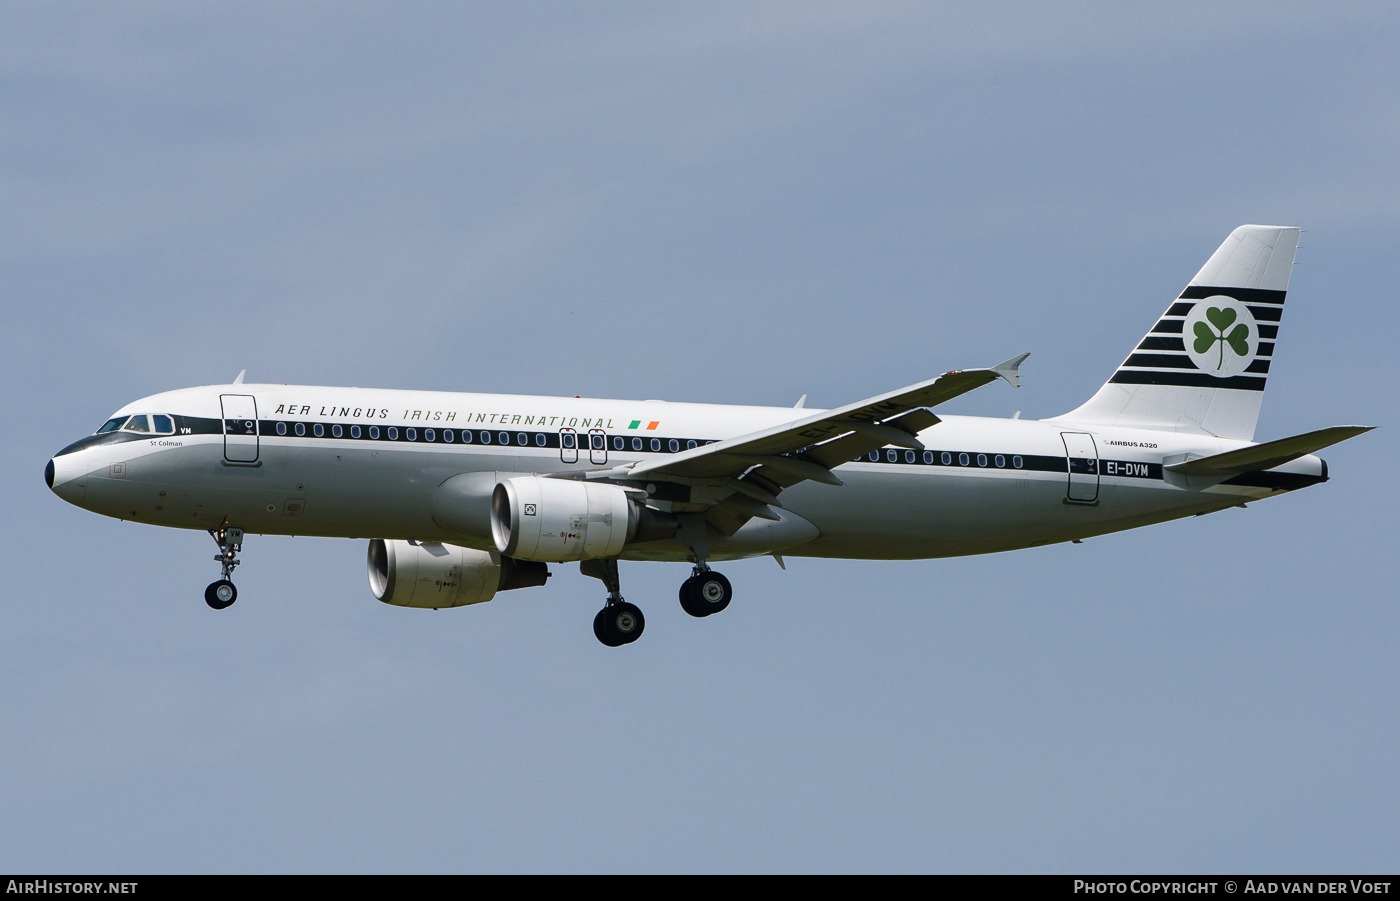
[(222, 593), (619, 622), (705, 592)]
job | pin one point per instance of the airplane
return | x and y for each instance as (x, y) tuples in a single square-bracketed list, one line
[(465, 495)]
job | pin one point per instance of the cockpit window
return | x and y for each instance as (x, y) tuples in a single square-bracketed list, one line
[(163, 424), (111, 425), (137, 423)]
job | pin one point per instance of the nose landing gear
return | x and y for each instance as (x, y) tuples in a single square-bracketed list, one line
[(222, 593)]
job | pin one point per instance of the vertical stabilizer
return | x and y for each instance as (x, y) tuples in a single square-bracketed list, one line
[(1203, 366)]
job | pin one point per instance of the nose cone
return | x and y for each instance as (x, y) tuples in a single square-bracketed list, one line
[(66, 476)]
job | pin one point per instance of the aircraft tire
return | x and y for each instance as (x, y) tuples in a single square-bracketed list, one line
[(619, 624), (605, 627), (220, 594), (688, 602), (710, 592)]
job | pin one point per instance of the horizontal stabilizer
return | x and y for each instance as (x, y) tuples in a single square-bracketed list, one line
[(1269, 454)]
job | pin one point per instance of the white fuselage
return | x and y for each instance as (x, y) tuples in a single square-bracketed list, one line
[(1003, 484)]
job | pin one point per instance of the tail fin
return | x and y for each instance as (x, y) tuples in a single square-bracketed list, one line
[(1203, 366)]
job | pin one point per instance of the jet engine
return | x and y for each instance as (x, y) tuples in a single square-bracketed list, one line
[(443, 575), (561, 520)]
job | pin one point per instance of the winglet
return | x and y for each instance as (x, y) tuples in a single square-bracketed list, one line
[(241, 373), (1010, 370)]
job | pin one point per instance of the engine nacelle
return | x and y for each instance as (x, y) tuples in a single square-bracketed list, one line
[(444, 575), (561, 520)]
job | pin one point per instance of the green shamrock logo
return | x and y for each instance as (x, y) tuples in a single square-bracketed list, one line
[(1221, 319)]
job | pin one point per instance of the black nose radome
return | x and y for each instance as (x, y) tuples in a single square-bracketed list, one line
[(48, 474)]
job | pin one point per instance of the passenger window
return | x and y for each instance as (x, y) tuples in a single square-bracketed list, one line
[(137, 423), (164, 425)]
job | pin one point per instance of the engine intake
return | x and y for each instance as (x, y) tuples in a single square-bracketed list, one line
[(444, 575), (562, 520)]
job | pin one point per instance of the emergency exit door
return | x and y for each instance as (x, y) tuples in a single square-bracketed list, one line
[(240, 427), (1083, 460)]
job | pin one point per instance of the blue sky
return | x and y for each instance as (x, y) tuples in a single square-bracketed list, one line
[(726, 203)]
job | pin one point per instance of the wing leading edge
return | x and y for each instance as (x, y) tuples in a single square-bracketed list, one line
[(750, 470)]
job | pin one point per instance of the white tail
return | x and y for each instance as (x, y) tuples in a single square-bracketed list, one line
[(1203, 366)]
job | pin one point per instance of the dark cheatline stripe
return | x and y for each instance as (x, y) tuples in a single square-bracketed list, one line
[(1266, 314), (1161, 361), (465, 438), (1187, 379), (1244, 295), (198, 425), (1258, 366), (1150, 343), (105, 438), (1268, 331), (1266, 348), (1169, 327), (934, 459)]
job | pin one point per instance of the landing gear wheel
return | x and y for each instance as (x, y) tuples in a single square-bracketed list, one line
[(619, 624), (709, 592), (600, 629), (220, 594), (687, 600)]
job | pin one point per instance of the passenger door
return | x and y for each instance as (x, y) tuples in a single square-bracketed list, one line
[(240, 427), (1083, 460), (568, 445), (597, 447)]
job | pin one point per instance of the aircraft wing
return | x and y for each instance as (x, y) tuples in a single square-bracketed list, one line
[(1267, 455), (809, 448)]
